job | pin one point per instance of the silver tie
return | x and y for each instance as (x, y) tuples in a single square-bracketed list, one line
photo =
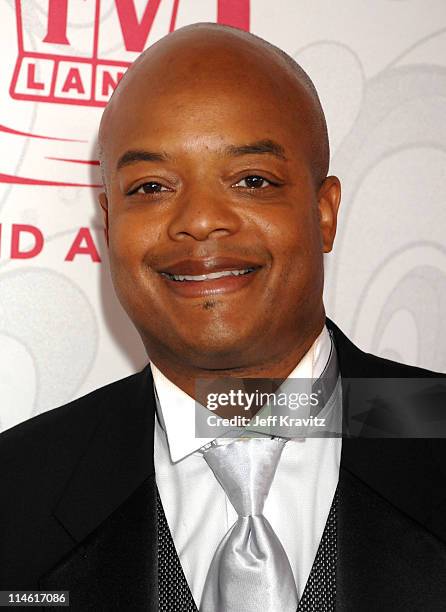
[(250, 571)]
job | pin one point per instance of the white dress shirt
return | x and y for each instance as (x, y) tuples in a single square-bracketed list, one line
[(196, 507)]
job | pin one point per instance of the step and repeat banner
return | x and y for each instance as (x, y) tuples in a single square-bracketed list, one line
[(380, 69)]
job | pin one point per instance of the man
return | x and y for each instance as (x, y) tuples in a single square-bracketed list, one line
[(218, 210)]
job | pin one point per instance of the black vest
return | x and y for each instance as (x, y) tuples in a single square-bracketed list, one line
[(319, 593)]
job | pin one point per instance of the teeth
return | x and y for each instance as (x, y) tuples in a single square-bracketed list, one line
[(205, 277)]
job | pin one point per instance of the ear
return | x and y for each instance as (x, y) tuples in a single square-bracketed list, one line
[(329, 198), (103, 202)]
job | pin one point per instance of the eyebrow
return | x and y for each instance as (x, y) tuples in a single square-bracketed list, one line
[(254, 148), (136, 155)]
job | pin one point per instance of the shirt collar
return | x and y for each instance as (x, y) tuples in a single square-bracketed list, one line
[(176, 409)]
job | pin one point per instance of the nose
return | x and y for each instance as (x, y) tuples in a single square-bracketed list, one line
[(201, 214)]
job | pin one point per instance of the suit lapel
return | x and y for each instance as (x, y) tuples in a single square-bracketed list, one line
[(385, 559), (115, 566), (390, 549), (109, 509)]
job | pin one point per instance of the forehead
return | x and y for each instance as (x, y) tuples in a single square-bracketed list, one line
[(175, 120), (211, 94)]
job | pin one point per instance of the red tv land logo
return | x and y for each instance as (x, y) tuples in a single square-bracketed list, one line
[(87, 45)]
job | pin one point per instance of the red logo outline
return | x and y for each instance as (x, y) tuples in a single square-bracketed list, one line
[(229, 12)]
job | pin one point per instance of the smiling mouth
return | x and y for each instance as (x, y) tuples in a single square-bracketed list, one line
[(207, 277)]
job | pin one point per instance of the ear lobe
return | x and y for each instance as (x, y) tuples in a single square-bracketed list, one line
[(103, 202), (329, 198)]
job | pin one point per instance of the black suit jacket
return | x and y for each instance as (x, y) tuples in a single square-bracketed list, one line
[(78, 503)]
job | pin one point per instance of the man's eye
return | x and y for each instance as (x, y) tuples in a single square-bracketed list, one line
[(253, 182), (150, 187)]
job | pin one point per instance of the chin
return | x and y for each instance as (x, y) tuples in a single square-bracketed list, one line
[(216, 351), (218, 359), (211, 349)]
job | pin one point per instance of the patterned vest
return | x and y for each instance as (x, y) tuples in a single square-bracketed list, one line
[(319, 593)]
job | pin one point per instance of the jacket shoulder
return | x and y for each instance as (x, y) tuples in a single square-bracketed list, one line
[(356, 363), (386, 368), (61, 432)]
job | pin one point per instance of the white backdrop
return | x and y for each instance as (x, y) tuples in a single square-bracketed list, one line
[(380, 68)]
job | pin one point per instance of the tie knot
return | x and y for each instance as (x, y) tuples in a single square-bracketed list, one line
[(245, 469)]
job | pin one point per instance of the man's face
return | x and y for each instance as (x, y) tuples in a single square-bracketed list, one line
[(214, 222)]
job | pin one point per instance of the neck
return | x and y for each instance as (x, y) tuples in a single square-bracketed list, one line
[(184, 374)]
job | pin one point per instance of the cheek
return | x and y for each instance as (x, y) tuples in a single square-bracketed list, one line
[(131, 237), (296, 241)]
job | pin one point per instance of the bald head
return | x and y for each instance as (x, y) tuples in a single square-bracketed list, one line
[(215, 60), (217, 206)]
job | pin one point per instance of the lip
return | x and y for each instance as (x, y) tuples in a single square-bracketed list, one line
[(196, 267), (218, 286)]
